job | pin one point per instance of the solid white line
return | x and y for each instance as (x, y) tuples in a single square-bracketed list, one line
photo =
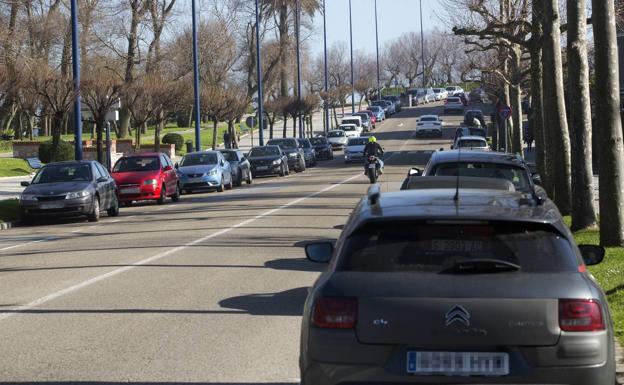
[(27, 243), (89, 282)]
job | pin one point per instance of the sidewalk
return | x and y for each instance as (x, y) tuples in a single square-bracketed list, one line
[(10, 186)]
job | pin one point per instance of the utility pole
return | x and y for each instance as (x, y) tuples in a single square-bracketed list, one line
[(298, 33), (422, 46), (196, 80), (352, 72), (326, 107), (76, 74), (259, 70), (377, 48)]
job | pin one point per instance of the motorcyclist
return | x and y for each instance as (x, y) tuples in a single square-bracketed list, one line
[(373, 148)]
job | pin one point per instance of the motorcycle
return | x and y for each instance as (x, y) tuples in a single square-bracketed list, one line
[(372, 169)]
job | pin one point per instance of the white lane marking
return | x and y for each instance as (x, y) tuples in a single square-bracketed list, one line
[(27, 243), (89, 282)]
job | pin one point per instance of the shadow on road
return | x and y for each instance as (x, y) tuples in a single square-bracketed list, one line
[(285, 303)]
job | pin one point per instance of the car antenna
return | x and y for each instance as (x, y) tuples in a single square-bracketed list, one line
[(456, 197)]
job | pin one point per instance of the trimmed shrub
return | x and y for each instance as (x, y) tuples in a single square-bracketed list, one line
[(65, 152), (175, 139), (182, 120)]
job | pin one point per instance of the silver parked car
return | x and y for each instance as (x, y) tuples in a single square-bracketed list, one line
[(205, 170), (437, 286)]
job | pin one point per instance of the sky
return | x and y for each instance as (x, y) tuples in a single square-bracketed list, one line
[(395, 17)]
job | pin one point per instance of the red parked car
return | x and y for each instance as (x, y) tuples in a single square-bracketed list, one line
[(146, 176), (372, 116)]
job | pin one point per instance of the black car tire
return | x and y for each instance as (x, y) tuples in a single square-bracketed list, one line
[(26, 220), (163, 195), (94, 216), (113, 210), (221, 187), (282, 171), (239, 180), (230, 185), (176, 196), (249, 178)]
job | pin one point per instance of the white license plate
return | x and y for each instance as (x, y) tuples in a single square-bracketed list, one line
[(131, 190), (458, 363), (261, 168), (372, 165), (49, 206)]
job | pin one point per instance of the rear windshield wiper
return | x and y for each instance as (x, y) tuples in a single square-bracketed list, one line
[(480, 266)]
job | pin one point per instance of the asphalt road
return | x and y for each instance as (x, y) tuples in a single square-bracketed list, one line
[(209, 289)]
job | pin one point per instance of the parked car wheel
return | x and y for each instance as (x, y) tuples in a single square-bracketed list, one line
[(113, 211), (249, 178), (239, 179), (282, 171), (221, 187), (230, 185), (176, 196), (163, 195), (95, 214)]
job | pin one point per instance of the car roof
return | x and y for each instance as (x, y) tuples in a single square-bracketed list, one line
[(203, 152), (69, 162), (346, 125), (275, 139), (429, 116), (476, 156), (440, 204)]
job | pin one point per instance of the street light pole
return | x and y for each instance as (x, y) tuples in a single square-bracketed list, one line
[(298, 32), (326, 107), (76, 74), (422, 45), (352, 72), (196, 81), (377, 45), (259, 70)]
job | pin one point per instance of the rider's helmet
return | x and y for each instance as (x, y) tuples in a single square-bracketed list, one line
[(372, 139)]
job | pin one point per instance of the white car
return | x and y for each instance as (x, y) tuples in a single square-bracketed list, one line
[(454, 90), (351, 130), (354, 152), (440, 94), (353, 119), (471, 142), (429, 125), (337, 139)]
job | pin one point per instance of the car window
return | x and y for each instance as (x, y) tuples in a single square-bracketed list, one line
[(335, 134), (318, 141), (453, 100), (358, 141), (97, 172), (351, 121), (102, 170), (230, 156), (348, 128), (516, 175), (429, 119), (472, 143), (264, 151), (168, 160), (429, 247), (137, 163), (199, 159), (64, 173), (450, 88), (283, 143)]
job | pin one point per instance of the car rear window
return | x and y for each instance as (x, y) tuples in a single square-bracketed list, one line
[(428, 119), (199, 159), (335, 134), (283, 143), (434, 246), (351, 121), (453, 100), (263, 151), (467, 143), (136, 163), (516, 175)]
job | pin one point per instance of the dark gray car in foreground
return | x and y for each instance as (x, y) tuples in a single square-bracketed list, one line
[(69, 189), (431, 287)]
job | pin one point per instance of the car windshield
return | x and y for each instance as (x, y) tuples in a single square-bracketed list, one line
[(453, 100), (335, 134), (516, 175), (318, 141), (137, 163), (305, 143), (374, 108), (198, 159), (432, 247), (230, 156), (283, 143), (428, 119), (358, 141), (350, 121), (437, 90), (263, 151), (348, 128), (63, 173), (450, 88), (363, 116), (472, 143)]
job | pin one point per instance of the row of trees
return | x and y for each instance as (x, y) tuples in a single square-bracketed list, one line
[(514, 46)]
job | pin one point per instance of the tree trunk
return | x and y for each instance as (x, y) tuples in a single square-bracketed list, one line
[(157, 131), (57, 123), (129, 76), (283, 48), (610, 125), (100, 124), (294, 126), (215, 123), (537, 107), (515, 94), (554, 103), (583, 214), (285, 126)]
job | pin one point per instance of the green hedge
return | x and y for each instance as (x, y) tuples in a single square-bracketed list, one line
[(173, 138), (65, 151)]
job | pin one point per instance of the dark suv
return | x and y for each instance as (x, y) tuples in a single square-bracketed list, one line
[(424, 287), (294, 152)]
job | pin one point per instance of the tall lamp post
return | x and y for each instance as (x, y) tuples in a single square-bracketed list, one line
[(422, 45), (76, 74), (352, 72), (326, 107), (196, 80), (259, 70), (377, 47), (297, 32)]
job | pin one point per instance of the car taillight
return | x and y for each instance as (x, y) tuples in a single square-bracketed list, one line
[(335, 313), (580, 315)]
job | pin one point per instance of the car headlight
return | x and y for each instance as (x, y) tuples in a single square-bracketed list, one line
[(212, 173), (77, 194), (28, 197), (276, 162), (152, 182)]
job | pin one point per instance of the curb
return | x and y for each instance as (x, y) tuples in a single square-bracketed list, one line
[(619, 363)]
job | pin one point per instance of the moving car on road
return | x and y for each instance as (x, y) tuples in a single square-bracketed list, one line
[(337, 139), (387, 106), (453, 104), (367, 124), (440, 93), (204, 170), (67, 189), (379, 112), (354, 119), (145, 177), (295, 154), (322, 147), (350, 130), (471, 115), (308, 152), (396, 100), (241, 169), (371, 116), (454, 90), (268, 160), (429, 125), (469, 142), (424, 288), (354, 152)]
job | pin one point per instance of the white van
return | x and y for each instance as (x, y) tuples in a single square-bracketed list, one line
[(357, 120)]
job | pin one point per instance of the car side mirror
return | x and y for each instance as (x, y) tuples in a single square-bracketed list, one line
[(102, 179), (592, 254), (319, 252), (537, 178), (167, 168), (25, 184), (177, 165), (414, 171)]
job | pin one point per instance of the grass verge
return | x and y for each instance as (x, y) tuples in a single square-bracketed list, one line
[(9, 210), (13, 167), (610, 276)]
